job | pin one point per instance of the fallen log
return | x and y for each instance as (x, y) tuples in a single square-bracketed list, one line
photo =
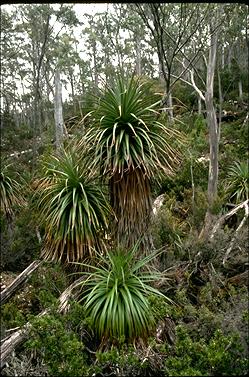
[(13, 340), (223, 218), (20, 279)]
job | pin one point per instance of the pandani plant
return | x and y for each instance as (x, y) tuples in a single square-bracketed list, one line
[(237, 181), (73, 208), (10, 193), (129, 146), (115, 295)]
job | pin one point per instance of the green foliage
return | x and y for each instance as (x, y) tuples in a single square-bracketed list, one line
[(115, 296), (59, 346), (72, 207), (129, 146), (123, 361), (237, 181), (167, 228), (183, 180), (11, 316), (125, 134), (10, 193), (220, 356)]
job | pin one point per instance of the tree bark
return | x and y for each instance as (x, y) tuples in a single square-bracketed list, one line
[(213, 129), (58, 114), (199, 106), (212, 122), (240, 89), (138, 56)]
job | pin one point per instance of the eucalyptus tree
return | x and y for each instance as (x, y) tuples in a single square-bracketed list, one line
[(172, 26), (142, 49), (11, 42), (235, 45), (128, 146), (37, 22)]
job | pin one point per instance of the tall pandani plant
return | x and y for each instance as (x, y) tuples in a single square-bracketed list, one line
[(73, 208), (130, 146)]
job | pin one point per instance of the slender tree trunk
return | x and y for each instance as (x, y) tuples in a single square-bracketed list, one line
[(96, 77), (213, 129), (199, 106), (240, 89), (138, 56), (170, 107), (229, 56), (212, 122), (58, 114), (222, 57), (220, 103)]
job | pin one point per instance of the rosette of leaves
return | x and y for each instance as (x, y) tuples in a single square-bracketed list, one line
[(10, 193), (237, 181), (129, 146), (115, 295), (73, 208)]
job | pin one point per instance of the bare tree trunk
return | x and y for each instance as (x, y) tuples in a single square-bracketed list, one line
[(170, 108), (222, 57), (229, 56), (138, 56), (96, 77), (240, 89), (220, 103), (58, 114), (213, 130), (199, 106)]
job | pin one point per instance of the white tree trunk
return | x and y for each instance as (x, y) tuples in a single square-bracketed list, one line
[(240, 89), (170, 108), (138, 56), (58, 113), (222, 57), (199, 105), (211, 121)]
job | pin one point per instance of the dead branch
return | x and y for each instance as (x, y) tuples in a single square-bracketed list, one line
[(236, 233), (19, 280), (223, 218)]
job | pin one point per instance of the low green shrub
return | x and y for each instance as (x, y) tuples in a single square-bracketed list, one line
[(222, 356), (58, 345)]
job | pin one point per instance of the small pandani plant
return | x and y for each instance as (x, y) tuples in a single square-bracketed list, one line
[(115, 296), (237, 181)]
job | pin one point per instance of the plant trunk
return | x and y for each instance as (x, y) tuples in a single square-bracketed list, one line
[(240, 89), (58, 114), (213, 129), (170, 107), (96, 77), (199, 106), (138, 57)]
